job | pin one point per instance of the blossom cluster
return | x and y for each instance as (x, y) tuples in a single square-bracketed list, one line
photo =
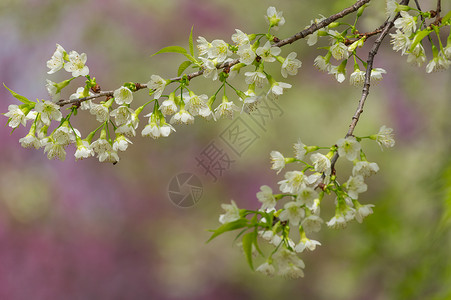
[(304, 191), (119, 121), (409, 36)]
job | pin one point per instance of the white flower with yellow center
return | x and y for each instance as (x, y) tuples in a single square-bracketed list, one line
[(290, 65), (293, 183), (157, 84), (274, 18), (349, 147), (219, 50), (57, 61), (232, 213), (266, 197), (123, 95), (76, 64), (277, 160), (49, 111), (267, 52)]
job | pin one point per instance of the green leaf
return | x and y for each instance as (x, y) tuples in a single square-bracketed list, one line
[(240, 223), (172, 49), (248, 240), (17, 96), (190, 41), (446, 17), (191, 58), (183, 67), (419, 37)]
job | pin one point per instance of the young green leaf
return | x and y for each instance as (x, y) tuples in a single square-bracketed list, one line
[(191, 58), (240, 223), (419, 37), (190, 41), (446, 17), (172, 49), (183, 67), (248, 240), (17, 96)]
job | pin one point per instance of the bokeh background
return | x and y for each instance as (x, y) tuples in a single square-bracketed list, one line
[(86, 230)]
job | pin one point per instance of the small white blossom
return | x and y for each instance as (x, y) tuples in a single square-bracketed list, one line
[(182, 117), (123, 95), (232, 213), (349, 148), (365, 169), (356, 185), (128, 128), (385, 137), (266, 197), (277, 160), (121, 143), (246, 54), (339, 51), (55, 150), (390, 9), (321, 63), (194, 103), (226, 110), (157, 84), (166, 129), (363, 211), (64, 135), (274, 18), (168, 107), (151, 130), (438, 63), (376, 74), (357, 78), (257, 77), (203, 45), (210, 69), (417, 55), (16, 116), (267, 269), (30, 140), (52, 89), (267, 52), (339, 73), (400, 41), (83, 150), (321, 163), (109, 156), (290, 265), (277, 88), (307, 196), (271, 237), (240, 38), (406, 23), (57, 61), (312, 224), (122, 115), (292, 212), (299, 150), (290, 65), (294, 181), (49, 111), (306, 243), (76, 64), (337, 222), (101, 111), (219, 50)]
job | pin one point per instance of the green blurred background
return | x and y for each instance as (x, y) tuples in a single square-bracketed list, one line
[(86, 230)]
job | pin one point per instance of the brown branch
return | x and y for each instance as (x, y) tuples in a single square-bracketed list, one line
[(366, 85), (302, 34)]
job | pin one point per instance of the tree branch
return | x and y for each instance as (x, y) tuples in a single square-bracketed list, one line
[(366, 85), (302, 34)]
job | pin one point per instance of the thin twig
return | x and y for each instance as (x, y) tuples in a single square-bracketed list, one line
[(366, 85), (302, 34)]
